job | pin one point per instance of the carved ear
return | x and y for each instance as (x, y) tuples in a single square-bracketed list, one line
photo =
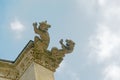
[(66, 40), (45, 21)]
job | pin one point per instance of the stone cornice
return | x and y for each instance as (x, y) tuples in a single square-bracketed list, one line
[(27, 48), (14, 70), (8, 70)]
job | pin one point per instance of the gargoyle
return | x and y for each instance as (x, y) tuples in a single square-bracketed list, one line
[(41, 43), (58, 54)]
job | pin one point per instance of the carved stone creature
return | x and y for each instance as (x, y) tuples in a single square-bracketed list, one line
[(49, 59), (68, 48), (58, 54), (41, 43)]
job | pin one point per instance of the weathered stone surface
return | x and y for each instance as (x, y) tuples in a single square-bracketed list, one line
[(4, 79), (43, 73), (29, 74)]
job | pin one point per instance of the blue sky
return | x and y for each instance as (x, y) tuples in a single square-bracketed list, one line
[(92, 24)]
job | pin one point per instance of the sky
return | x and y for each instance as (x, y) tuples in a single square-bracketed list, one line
[(92, 24)]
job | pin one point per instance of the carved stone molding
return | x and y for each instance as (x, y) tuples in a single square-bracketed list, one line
[(47, 60), (14, 70), (8, 70)]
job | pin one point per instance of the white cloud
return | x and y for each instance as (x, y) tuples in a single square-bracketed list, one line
[(112, 72), (110, 9), (106, 40), (17, 27), (102, 2), (103, 43)]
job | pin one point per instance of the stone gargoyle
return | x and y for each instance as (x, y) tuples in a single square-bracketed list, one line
[(60, 53), (41, 43)]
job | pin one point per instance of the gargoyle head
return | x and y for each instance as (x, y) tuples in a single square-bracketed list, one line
[(44, 26)]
